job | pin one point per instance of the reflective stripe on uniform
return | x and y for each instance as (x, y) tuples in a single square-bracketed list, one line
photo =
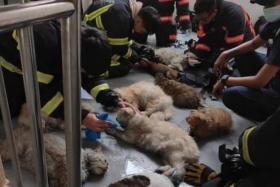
[(115, 60), (128, 53), (95, 90), (245, 149), (94, 14), (99, 23), (105, 75), (42, 77), (14, 35), (118, 41), (52, 104)]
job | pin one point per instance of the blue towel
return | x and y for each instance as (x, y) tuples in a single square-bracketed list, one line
[(93, 136)]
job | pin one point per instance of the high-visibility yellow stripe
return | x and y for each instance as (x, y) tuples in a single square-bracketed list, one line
[(95, 90), (52, 104), (42, 77), (115, 57), (93, 15), (105, 75), (114, 63), (14, 35), (245, 149), (128, 53), (118, 41), (130, 43), (99, 23)]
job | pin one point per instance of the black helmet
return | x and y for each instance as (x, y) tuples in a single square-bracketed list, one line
[(263, 2)]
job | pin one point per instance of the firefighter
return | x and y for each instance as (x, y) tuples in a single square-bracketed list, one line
[(119, 20), (166, 34), (255, 164), (222, 25), (95, 53), (254, 96)]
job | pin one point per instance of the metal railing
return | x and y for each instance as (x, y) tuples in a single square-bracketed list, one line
[(21, 17)]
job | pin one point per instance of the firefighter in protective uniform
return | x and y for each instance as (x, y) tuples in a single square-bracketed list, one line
[(119, 19), (49, 69), (166, 34), (221, 25), (256, 93)]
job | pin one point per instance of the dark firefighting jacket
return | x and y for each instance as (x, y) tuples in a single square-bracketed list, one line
[(259, 145), (230, 27), (166, 34), (115, 19), (49, 69)]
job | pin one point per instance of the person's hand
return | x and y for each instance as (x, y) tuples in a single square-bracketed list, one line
[(198, 174), (93, 123), (108, 98), (220, 63), (218, 88)]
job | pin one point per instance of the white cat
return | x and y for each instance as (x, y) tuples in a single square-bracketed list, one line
[(163, 138), (149, 99)]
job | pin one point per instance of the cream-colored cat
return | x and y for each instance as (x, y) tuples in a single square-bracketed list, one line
[(174, 145), (93, 161), (173, 58), (149, 99)]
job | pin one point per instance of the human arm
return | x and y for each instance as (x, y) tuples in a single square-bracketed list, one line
[(241, 49), (263, 77)]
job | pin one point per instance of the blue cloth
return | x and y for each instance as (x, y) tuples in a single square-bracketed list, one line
[(93, 136)]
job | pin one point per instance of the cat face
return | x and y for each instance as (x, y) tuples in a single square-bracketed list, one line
[(200, 125), (127, 95), (124, 115)]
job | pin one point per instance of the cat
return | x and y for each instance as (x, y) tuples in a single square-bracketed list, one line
[(149, 99), (209, 121), (92, 161), (174, 145), (183, 96), (174, 58)]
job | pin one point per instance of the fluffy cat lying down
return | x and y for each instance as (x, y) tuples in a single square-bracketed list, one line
[(174, 58), (208, 121), (93, 161), (149, 99), (183, 96), (174, 145)]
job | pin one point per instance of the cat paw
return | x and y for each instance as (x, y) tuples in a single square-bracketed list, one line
[(165, 170)]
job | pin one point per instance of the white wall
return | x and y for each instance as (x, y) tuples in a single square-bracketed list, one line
[(253, 9)]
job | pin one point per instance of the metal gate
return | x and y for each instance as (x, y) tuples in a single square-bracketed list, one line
[(21, 17)]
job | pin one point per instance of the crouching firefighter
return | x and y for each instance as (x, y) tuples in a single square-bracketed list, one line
[(49, 70), (255, 164), (222, 25), (167, 32), (119, 20)]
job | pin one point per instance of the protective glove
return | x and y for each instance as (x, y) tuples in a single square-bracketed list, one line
[(198, 174), (108, 98)]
